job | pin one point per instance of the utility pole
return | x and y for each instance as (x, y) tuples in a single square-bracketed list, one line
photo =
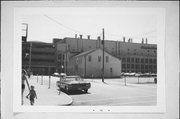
[(66, 59), (103, 57), (30, 48)]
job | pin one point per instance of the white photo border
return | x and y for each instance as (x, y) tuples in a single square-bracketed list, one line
[(161, 102)]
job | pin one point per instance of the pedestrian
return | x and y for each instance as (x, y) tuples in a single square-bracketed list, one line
[(23, 83), (32, 95)]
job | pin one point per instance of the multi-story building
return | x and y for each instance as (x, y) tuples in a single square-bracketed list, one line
[(136, 57), (38, 57)]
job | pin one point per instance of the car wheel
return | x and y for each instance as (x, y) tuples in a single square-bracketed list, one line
[(85, 90), (66, 89)]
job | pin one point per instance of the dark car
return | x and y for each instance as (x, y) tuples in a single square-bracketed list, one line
[(155, 80), (71, 83)]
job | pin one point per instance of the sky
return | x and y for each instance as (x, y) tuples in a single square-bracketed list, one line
[(66, 22)]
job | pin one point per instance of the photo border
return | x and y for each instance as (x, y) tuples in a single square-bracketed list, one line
[(159, 108)]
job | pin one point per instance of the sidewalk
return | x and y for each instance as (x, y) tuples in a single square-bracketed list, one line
[(46, 96)]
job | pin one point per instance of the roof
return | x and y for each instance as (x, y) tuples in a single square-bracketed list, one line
[(86, 52), (90, 51)]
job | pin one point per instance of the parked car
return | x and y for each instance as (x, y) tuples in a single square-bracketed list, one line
[(56, 74), (155, 80), (71, 83)]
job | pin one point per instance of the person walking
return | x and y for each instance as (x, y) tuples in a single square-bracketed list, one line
[(32, 95), (24, 79)]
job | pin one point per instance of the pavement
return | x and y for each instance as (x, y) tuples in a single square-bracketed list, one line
[(46, 95)]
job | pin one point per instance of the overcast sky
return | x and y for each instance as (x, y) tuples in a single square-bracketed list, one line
[(66, 22)]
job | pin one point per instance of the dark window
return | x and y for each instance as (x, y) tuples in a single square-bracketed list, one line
[(137, 66), (59, 57), (150, 67), (99, 58), (111, 70), (124, 59), (137, 60), (128, 59), (132, 66), (154, 61), (146, 67), (150, 60), (132, 59), (146, 60), (142, 60), (89, 58), (142, 66), (107, 59), (128, 65), (124, 66)]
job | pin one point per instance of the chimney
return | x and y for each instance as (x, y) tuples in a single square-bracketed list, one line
[(131, 40), (75, 35), (146, 40), (88, 36), (99, 38), (124, 40), (80, 36), (142, 40)]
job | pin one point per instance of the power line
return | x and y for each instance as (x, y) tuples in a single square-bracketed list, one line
[(67, 27)]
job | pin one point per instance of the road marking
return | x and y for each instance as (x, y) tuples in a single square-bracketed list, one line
[(129, 97)]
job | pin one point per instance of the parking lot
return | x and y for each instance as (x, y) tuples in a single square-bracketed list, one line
[(113, 92)]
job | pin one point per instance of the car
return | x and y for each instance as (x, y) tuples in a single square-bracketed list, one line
[(56, 74), (155, 80), (72, 83)]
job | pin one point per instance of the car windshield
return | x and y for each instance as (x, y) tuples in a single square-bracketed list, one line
[(73, 79)]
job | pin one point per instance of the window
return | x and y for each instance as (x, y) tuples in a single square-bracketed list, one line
[(128, 65), (132, 66), (124, 66), (150, 60), (137, 60), (146, 67), (107, 59), (59, 57), (142, 60), (99, 58), (150, 67), (137, 66), (146, 61), (111, 70), (132, 59), (154, 61), (89, 58), (142, 66), (124, 59), (128, 59)]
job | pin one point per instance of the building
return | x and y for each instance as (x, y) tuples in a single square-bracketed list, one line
[(38, 57), (90, 64), (136, 57)]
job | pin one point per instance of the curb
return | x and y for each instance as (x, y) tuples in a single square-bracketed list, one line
[(67, 104)]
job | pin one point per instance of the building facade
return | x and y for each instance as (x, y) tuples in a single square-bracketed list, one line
[(38, 57), (90, 64), (136, 57)]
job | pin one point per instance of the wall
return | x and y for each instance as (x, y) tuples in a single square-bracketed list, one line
[(94, 67)]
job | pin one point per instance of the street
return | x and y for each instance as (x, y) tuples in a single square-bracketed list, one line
[(113, 92)]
